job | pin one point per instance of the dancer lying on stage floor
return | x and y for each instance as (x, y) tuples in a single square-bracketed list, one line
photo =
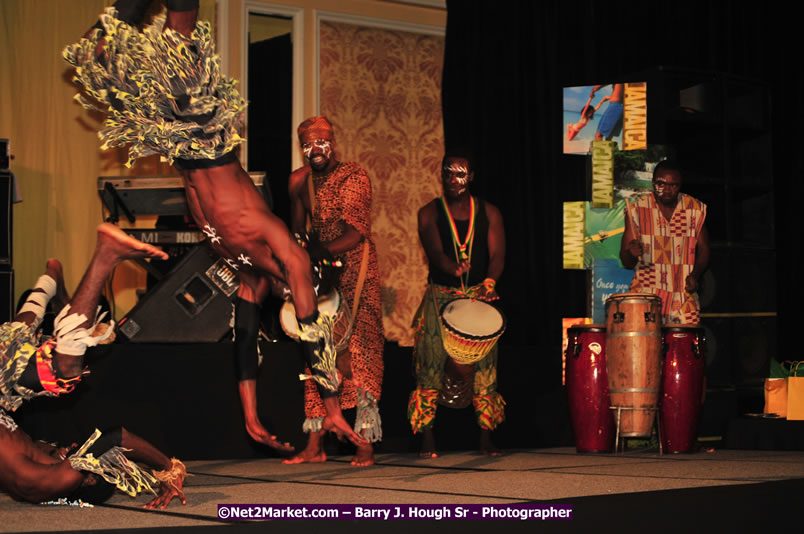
[(166, 95), (37, 472), (31, 368)]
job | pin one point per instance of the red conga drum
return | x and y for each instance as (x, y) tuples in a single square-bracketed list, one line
[(682, 386), (633, 359), (588, 388)]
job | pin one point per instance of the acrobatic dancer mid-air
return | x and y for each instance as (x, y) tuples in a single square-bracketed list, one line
[(164, 93)]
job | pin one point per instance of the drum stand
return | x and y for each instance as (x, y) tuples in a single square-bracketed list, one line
[(617, 436)]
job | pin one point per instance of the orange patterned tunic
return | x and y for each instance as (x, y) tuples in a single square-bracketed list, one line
[(668, 254), (345, 195)]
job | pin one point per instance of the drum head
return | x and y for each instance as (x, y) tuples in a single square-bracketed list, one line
[(689, 328), (587, 328), (329, 304), (472, 318), (287, 320), (634, 297)]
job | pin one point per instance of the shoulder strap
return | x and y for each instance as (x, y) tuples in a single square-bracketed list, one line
[(311, 193)]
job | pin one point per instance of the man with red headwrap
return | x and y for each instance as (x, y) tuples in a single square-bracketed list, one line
[(336, 196)]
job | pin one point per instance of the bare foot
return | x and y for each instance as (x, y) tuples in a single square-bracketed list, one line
[(260, 435), (364, 456), (486, 446), (310, 455), (54, 270), (116, 245), (428, 444), (313, 453), (304, 458)]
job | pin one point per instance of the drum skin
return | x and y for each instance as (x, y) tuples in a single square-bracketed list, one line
[(682, 386), (588, 389), (332, 304), (465, 345), (633, 359)]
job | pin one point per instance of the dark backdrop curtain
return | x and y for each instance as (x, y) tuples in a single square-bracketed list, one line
[(505, 65)]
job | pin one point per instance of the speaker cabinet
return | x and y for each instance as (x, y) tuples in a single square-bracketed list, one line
[(6, 219), (192, 304), (6, 296)]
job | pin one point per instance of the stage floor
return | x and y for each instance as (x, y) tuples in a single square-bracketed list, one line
[(727, 487)]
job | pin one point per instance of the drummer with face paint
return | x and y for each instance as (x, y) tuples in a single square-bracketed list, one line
[(335, 196), (464, 240)]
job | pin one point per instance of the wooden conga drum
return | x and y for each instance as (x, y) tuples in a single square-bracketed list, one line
[(588, 388), (633, 359), (682, 386)]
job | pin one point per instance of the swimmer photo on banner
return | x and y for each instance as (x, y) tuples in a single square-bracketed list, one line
[(608, 112)]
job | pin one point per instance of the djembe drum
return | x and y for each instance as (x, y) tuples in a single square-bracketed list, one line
[(470, 328), (331, 304), (588, 388), (682, 386), (633, 359)]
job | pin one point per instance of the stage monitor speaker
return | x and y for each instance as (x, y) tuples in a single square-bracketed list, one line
[(6, 296), (192, 304), (5, 154), (6, 219)]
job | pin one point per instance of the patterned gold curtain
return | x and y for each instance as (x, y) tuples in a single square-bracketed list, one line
[(382, 91)]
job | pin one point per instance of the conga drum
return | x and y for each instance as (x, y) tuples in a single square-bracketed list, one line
[(588, 388), (682, 386), (633, 359)]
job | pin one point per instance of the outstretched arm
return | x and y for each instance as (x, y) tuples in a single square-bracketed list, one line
[(583, 110), (604, 99), (595, 89), (143, 452)]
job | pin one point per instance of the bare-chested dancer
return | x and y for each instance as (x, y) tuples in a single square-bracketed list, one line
[(173, 101), (33, 471)]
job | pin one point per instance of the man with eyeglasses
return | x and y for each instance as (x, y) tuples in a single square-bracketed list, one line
[(667, 245)]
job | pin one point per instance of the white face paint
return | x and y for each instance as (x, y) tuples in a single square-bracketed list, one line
[(456, 173), (460, 172), (324, 144)]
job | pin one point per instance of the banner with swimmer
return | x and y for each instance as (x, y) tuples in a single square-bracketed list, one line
[(615, 112)]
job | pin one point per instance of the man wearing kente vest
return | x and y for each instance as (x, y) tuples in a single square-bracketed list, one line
[(667, 245), (336, 197), (464, 241)]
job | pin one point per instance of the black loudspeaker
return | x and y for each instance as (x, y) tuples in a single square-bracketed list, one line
[(6, 197), (5, 154), (192, 304), (6, 296)]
